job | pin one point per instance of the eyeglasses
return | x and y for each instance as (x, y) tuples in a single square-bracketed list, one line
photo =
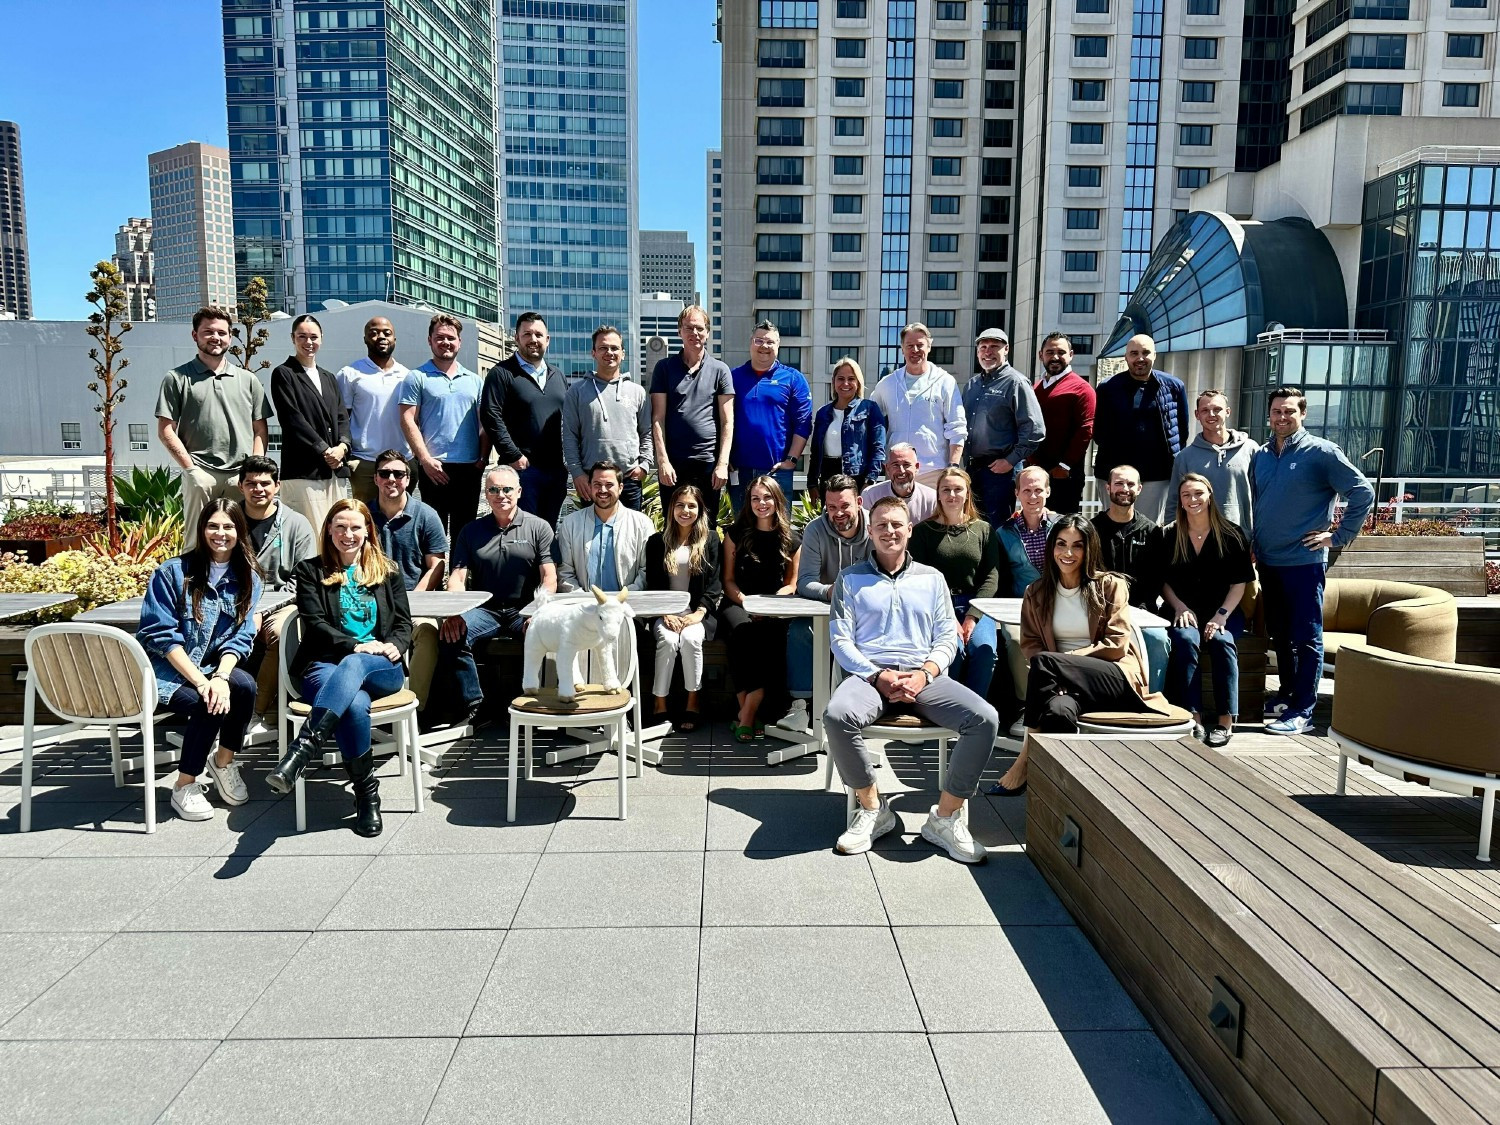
[(505, 490), (391, 474)]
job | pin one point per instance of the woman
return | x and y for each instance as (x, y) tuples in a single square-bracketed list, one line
[(848, 433), (1024, 535), (760, 557), (1075, 632), (684, 556), (197, 625), (1205, 580), (966, 550), (315, 437), (356, 628)]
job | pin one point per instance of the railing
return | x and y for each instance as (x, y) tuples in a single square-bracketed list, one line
[(1441, 154)]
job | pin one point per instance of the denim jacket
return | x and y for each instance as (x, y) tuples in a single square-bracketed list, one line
[(862, 438), (167, 622)]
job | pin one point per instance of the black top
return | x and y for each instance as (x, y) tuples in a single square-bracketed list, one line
[(691, 427), (704, 589), (523, 419), (506, 562), (1201, 582), (758, 565), (1132, 549), (310, 421), (323, 636)]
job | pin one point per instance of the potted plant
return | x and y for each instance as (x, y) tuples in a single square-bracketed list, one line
[(40, 529)]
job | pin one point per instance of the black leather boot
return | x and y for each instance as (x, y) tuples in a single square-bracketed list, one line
[(309, 742), (367, 820)]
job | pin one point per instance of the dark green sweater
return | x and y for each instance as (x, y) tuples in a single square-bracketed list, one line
[(969, 557)]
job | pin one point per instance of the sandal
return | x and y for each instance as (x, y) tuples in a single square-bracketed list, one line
[(760, 732), (742, 733), (687, 722)]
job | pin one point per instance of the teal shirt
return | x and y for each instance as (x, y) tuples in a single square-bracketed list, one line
[(357, 605)]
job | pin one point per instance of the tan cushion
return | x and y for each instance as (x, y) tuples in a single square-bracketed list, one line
[(1334, 640), (384, 703), (1137, 719), (1400, 616), (590, 698), (905, 722)]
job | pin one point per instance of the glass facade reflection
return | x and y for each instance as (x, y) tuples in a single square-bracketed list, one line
[(1347, 383), (895, 212)]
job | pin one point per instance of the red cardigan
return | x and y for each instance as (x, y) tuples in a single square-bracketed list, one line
[(1068, 411)]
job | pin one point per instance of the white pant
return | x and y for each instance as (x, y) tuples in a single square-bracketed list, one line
[(311, 499), (668, 643)]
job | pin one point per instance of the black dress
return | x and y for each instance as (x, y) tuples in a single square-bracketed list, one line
[(757, 646)]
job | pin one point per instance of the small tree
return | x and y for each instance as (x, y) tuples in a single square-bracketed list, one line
[(106, 325), (251, 312)]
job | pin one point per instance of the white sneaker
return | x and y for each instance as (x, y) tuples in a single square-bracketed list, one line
[(865, 827), (1293, 724), (1018, 729), (952, 835), (189, 802), (228, 782), (797, 718)]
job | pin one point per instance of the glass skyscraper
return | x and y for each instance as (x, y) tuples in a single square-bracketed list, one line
[(362, 148)]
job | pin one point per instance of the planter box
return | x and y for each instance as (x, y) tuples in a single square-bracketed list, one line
[(13, 682), (1449, 562), (40, 550)]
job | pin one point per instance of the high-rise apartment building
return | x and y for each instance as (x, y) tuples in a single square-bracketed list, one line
[(136, 261), (568, 126), (15, 264), (713, 301), (669, 265), (658, 321), (192, 229), (362, 136)]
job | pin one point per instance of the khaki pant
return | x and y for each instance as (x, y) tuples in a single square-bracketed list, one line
[(270, 665), (362, 482), (421, 659), (199, 487), (311, 499)]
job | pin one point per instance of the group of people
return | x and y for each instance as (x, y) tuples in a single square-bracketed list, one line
[(932, 497)]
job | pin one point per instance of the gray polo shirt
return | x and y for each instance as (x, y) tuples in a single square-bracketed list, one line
[(215, 415), (691, 429), (506, 562), (409, 537)]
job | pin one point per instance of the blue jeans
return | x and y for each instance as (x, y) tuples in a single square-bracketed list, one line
[(783, 478), (994, 493), (542, 492), (974, 665), (799, 669), (630, 493), (345, 689), (1294, 618), (456, 658), (1184, 687), (204, 729)]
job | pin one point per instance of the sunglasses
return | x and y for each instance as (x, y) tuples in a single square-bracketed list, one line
[(391, 474), (505, 491)]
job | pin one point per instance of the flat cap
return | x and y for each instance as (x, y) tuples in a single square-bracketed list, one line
[(992, 334)]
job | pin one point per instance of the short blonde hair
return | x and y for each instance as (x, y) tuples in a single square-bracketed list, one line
[(918, 327), (1046, 476), (853, 365), (688, 311)]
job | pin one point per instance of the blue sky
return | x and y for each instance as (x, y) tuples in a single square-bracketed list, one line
[(93, 100)]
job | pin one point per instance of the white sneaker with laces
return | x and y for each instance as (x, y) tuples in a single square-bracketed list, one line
[(228, 782), (797, 718), (1292, 724), (189, 802), (952, 835), (865, 827)]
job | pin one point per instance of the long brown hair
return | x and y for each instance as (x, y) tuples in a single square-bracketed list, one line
[(971, 513), (744, 521), (1093, 567), (242, 564), (694, 538), (372, 567), (1218, 526)]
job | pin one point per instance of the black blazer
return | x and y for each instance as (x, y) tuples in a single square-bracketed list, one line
[(704, 590), (310, 422), (523, 419), (323, 636)]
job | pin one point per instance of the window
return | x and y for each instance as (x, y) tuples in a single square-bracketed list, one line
[(1000, 56), (138, 438), (948, 49), (1198, 91), (994, 209), (1462, 94), (778, 248), (843, 281), (950, 10), (1082, 218), (1090, 46), (1466, 46), (942, 205), (848, 48), (842, 352), (942, 244), (72, 435), (848, 165), (947, 166), (1376, 52), (947, 126), (943, 357), (782, 92), (1467, 3), (999, 94), (941, 282), (778, 286), (1082, 345), (947, 88), (993, 286), (941, 318), (779, 131), (273, 438), (787, 53), (788, 13), (1202, 7), (848, 87), (789, 321), (1373, 98), (791, 356), (1197, 47), (998, 133), (846, 243), (994, 247), (994, 171), (850, 10), (1195, 134), (843, 318), (848, 126), (1078, 302), (1088, 90), (1085, 134), (778, 170), (1085, 175), (848, 204), (778, 208), (1081, 261), (1091, 7), (1188, 178)]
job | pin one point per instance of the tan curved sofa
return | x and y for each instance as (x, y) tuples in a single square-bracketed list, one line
[(1399, 616)]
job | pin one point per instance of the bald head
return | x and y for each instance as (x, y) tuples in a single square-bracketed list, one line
[(1140, 356), (380, 340)]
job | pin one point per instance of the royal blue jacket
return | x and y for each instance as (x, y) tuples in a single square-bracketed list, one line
[(862, 436), (769, 410)]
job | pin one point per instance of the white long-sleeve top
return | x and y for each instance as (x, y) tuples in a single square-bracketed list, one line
[(926, 411), (900, 620)]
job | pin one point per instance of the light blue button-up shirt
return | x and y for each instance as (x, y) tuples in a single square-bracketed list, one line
[(601, 556)]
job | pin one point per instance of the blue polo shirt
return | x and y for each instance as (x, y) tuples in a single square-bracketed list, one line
[(408, 537), (768, 410), (447, 411)]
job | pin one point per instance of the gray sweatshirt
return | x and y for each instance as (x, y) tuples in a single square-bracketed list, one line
[(290, 541), (825, 552), (606, 421), (1227, 468)]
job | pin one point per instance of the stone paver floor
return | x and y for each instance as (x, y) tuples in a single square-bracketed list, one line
[(710, 959)]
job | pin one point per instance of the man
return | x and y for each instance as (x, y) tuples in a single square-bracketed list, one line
[(522, 415), (440, 418), (772, 416), (1024, 535), (1067, 403), (371, 389), (1005, 426), (604, 544), (1132, 543), (901, 482), (607, 417), (411, 535), (1223, 456), (1296, 481), (922, 406), (692, 414), (893, 631), (280, 539), (210, 416), (507, 554), (1141, 419)]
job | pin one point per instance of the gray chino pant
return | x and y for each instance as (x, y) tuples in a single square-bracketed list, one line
[(856, 704)]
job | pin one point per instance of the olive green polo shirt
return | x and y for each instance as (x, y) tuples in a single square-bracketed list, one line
[(215, 415)]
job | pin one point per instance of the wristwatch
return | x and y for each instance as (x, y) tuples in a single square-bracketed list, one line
[(925, 672)]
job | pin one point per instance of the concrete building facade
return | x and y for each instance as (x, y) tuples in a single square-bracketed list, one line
[(713, 301), (659, 337), (669, 264), (15, 260), (137, 264), (192, 229)]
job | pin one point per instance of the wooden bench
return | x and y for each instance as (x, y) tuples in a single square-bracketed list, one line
[(1296, 975)]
